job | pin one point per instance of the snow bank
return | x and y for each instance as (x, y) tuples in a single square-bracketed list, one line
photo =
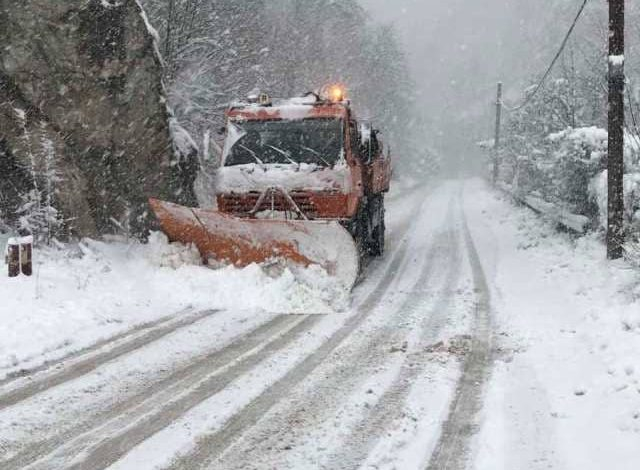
[(565, 391), (83, 293)]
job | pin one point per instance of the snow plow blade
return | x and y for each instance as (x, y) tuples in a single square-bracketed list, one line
[(225, 239)]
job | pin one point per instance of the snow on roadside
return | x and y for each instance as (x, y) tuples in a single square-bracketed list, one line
[(81, 294), (565, 391)]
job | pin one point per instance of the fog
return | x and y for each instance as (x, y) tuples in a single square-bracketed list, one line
[(460, 49)]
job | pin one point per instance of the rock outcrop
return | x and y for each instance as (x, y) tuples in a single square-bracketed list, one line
[(83, 114)]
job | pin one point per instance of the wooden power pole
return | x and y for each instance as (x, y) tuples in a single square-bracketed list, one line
[(496, 141), (615, 228)]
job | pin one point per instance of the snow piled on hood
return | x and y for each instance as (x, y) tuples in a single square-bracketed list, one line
[(92, 290), (305, 176)]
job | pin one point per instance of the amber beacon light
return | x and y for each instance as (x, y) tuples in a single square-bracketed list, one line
[(335, 93)]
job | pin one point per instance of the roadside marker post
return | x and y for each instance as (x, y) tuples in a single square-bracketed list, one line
[(13, 257), (26, 255), (19, 256)]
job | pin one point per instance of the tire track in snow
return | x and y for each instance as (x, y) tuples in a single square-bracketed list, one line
[(164, 389), (133, 407), (80, 365), (111, 448), (359, 444), (452, 451), (212, 446), (321, 402), (25, 372)]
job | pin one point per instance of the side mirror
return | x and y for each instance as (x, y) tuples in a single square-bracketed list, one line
[(222, 130)]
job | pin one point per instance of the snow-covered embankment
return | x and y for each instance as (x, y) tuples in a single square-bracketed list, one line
[(565, 391), (88, 292)]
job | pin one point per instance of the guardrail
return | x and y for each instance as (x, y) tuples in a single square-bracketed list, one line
[(554, 212), (573, 222)]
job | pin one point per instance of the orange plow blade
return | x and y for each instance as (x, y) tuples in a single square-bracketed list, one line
[(225, 239)]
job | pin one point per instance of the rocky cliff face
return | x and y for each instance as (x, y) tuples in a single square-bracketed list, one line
[(83, 116)]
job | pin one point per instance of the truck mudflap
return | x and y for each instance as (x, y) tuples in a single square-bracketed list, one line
[(225, 239)]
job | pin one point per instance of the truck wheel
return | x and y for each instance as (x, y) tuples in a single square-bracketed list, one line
[(377, 245), (359, 229)]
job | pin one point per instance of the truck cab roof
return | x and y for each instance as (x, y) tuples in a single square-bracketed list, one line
[(305, 107)]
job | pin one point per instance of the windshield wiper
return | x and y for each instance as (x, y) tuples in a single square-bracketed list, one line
[(254, 155), (315, 154), (285, 155)]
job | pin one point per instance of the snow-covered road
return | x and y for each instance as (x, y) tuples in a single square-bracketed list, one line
[(420, 373)]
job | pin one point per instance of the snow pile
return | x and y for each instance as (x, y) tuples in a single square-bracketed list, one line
[(294, 112), (83, 293), (172, 255), (305, 176), (308, 99)]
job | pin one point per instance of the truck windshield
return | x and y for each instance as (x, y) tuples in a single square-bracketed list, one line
[(315, 141)]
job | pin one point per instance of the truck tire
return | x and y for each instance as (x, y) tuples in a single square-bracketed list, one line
[(358, 227), (378, 235)]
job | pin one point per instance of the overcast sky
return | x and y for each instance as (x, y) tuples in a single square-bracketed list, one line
[(459, 49)]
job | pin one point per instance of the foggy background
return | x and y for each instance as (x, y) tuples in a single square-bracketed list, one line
[(459, 49)]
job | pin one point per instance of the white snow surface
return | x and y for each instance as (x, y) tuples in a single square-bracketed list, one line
[(616, 60), (565, 391), (81, 294), (254, 177), (294, 112)]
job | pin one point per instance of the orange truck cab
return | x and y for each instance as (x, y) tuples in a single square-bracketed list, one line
[(305, 158), (302, 183)]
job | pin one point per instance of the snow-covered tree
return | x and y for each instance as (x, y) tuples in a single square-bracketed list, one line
[(555, 146), (36, 211), (220, 51)]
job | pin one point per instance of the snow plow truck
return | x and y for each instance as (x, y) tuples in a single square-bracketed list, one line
[(301, 183)]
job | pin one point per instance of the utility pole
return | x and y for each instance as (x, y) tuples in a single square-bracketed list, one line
[(496, 142), (615, 164)]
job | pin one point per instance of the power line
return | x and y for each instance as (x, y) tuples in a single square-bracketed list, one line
[(553, 63), (633, 114)]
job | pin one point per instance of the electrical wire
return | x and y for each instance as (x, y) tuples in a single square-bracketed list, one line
[(553, 62), (633, 114)]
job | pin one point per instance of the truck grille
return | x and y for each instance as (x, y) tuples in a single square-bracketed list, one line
[(242, 204)]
